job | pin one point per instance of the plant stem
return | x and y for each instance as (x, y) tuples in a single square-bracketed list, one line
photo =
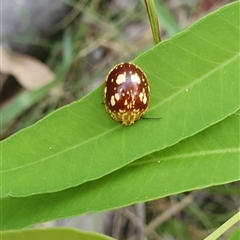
[(152, 15), (222, 229)]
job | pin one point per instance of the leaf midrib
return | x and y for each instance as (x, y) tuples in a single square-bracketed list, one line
[(198, 80), (61, 152), (187, 155)]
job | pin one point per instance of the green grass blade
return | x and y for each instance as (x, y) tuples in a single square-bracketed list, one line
[(22, 102), (216, 234), (166, 19)]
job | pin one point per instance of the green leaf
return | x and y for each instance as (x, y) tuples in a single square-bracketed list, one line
[(52, 233), (194, 79), (211, 157), (235, 235)]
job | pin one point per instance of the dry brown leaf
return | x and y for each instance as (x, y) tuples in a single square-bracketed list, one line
[(28, 71)]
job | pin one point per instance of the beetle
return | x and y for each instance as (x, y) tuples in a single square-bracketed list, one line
[(126, 93)]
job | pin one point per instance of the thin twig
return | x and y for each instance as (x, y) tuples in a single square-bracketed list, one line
[(169, 212)]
